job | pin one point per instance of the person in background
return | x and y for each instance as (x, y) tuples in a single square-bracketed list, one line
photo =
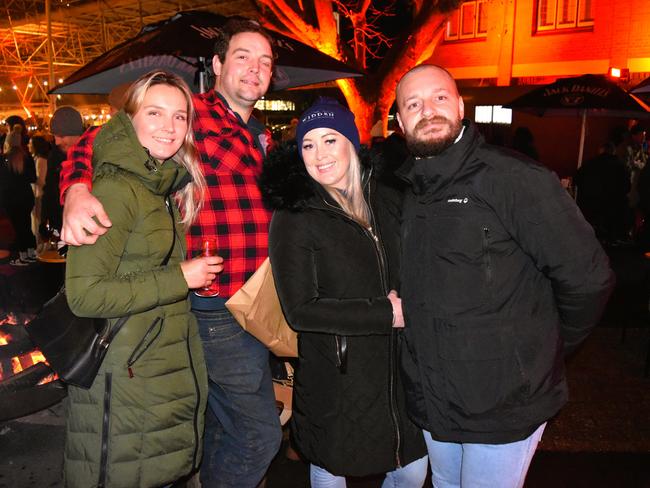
[(501, 278), (636, 157), (40, 149), (116, 97), (141, 422), (289, 133), (20, 173), (333, 244), (524, 142), (243, 430), (67, 127), (643, 188), (3, 136), (603, 185)]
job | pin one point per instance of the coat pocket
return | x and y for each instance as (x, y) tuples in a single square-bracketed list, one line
[(482, 367), (458, 266), (145, 343)]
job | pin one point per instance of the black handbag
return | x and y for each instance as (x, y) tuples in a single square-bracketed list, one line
[(75, 346)]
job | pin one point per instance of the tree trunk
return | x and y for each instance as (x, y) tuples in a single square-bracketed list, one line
[(367, 109)]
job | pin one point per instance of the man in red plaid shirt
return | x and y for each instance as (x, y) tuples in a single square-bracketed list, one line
[(242, 425)]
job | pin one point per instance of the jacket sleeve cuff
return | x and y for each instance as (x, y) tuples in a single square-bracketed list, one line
[(172, 286)]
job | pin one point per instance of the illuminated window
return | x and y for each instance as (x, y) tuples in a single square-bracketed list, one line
[(483, 114), (492, 114), (564, 14), (468, 21), (275, 105)]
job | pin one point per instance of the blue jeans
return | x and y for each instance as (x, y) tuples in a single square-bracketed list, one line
[(243, 432), (481, 465), (410, 476)]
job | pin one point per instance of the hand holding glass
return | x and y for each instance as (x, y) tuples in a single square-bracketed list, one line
[(209, 248)]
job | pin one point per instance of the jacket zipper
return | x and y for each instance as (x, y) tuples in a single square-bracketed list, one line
[(486, 254), (198, 400), (103, 462), (138, 351), (341, 353), (380, 254)]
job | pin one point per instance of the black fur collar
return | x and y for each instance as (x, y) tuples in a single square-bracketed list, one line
[(285, 183)]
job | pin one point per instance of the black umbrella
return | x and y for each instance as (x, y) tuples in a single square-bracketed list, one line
[(581, 96), (183, 44)]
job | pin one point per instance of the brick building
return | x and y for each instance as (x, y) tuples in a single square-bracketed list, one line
[(497, 49)]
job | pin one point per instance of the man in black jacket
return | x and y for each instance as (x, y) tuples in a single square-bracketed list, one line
[(501, 277)]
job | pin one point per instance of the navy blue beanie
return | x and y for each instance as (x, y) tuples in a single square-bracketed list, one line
[(328, 113)]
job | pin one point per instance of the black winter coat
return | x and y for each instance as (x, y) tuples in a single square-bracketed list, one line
[(501, 277), (332, 277)]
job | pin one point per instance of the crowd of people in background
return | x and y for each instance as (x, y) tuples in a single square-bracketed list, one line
[(29, 180), (613, 189)]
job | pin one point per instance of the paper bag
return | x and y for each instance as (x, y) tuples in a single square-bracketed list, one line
[(257, 309)]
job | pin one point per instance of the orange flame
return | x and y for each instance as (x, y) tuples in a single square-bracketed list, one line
[(20, 363)]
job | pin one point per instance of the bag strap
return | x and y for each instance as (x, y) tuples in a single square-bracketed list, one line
[(105, 340)]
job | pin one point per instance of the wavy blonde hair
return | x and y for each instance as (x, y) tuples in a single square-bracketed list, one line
[(190, 198), (351, 199)]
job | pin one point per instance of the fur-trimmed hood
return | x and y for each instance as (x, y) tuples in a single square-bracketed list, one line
[(285, 183)]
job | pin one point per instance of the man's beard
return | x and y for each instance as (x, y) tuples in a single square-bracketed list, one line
[(425, 147)]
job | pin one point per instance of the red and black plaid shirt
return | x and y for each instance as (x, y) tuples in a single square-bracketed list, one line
[(233, 211)]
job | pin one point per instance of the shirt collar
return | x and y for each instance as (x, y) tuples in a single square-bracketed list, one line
[(213, 97)]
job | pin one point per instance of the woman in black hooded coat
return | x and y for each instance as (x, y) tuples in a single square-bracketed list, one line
[(333, 245)]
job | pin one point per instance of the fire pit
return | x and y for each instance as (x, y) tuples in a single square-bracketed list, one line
[(27, 384)]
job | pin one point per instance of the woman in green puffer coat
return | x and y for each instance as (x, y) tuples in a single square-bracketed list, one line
[(141, 422)]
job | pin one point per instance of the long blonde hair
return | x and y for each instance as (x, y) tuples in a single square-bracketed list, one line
[(351, 198), (190, 198)]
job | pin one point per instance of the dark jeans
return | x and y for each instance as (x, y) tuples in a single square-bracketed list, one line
[(19, 214), (243, 430)]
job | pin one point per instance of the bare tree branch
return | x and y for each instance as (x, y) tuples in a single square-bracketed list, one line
[(329, 36), (369, 97), (292, 21)]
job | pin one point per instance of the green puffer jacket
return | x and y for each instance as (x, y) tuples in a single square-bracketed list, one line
[(141, 422)]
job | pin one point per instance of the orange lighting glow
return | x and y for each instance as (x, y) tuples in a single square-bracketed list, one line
[(24, 361), (615, 72)]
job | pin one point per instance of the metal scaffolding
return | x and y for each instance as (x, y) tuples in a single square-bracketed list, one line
[(79, 31)]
